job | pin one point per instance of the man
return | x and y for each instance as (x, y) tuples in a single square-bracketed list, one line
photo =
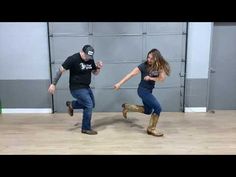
[(81, 65)]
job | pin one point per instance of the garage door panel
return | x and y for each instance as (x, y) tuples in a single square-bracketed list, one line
[(109, 100), (112, 73), (170, 46), (108, 28), (165, 28), (118, 49), (63, 47), (66, 28)]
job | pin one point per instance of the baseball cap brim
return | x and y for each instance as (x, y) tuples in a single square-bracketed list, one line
[(89, 56)]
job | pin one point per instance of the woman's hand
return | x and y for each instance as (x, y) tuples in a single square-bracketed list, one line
[(117, 86), (147, 78)]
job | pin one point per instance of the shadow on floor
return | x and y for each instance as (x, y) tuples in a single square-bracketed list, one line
[(116, 121)]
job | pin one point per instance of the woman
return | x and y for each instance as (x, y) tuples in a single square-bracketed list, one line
[(154, 69)]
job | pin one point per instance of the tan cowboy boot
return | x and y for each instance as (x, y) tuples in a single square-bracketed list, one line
[(131, 108), (151, 130)]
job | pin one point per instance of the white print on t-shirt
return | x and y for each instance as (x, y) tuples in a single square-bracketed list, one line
[(85, 66)]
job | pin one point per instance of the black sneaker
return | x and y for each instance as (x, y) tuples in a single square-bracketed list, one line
[(89, 132), (70, 109)]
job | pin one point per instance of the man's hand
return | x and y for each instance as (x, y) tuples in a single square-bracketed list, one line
[(99, 64), (52, 88)]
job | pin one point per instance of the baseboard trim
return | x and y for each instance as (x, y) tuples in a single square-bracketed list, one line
[(195, 109), (19, 110)]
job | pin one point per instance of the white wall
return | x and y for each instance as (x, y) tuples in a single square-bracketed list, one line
[(199, 42), (24, 51)]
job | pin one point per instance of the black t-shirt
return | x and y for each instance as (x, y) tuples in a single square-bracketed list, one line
[(80, 71), (144, 72)]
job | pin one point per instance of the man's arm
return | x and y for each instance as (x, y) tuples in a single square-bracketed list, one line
[(58, 75), (99, 65), (52, 87), (96, 72)]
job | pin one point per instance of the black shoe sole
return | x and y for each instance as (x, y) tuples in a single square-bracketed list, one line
[(68, 104), (89, 133)]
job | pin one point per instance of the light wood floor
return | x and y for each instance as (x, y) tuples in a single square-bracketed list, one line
[(185, 133)]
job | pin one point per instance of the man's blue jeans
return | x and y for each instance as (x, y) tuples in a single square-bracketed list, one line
[(84, 100), (149, 101)]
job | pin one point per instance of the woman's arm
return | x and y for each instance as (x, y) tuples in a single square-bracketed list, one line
[(161, 77), (133, 73)]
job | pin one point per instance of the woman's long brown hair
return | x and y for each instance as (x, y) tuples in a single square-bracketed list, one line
[(159, 62)]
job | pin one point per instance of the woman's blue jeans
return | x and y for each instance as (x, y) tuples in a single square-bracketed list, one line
[(151, 105)]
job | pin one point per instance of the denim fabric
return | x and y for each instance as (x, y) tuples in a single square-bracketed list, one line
[(151, 104), (84, 100)]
